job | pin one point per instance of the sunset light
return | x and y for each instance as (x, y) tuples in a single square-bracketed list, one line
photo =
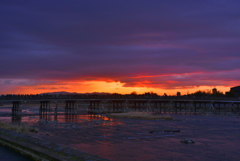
[(120, 80), (86, 47), (105, 87)]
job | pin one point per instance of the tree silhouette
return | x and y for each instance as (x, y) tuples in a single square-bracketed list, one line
[(178, 93), (134, 93)]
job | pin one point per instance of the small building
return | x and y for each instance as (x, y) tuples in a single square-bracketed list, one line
[(235, 91)]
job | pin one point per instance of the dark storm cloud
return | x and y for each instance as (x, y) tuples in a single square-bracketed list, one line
[(92, 39)]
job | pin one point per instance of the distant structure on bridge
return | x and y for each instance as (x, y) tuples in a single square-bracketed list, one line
[(235, 91)]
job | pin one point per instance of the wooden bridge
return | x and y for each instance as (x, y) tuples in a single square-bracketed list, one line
[(98, 106)]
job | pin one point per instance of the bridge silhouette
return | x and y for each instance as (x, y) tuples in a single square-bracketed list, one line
[(98, 104)]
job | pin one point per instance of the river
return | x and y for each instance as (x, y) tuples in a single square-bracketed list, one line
[(8, 154)]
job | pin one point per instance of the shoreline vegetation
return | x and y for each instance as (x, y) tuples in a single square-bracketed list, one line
[(140, 115)]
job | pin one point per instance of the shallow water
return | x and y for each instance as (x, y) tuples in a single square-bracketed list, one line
[(32, 116), (216, 137), (10, 155)]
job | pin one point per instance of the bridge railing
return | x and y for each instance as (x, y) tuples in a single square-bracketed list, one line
[(110, 96)]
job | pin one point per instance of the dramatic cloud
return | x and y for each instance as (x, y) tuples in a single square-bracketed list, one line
[(153, 44)]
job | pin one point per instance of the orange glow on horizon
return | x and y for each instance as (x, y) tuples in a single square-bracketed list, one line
[(102, 86)]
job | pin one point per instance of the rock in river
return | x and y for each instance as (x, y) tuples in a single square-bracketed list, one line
[(187, 141)]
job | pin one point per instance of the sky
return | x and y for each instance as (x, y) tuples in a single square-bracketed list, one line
[(163, 46)]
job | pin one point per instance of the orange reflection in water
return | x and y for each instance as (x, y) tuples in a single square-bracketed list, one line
[(79, 118), (99, 117)]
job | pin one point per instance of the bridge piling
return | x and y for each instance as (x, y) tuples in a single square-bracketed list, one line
[(236, 108), (16, 108), (55, 112), (16, 112), (95, 107), (119, 104), (71, 107), (45, 110)]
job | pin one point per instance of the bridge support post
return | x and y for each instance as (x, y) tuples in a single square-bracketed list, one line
[(235, 107), (149, 108), (238, 108), (175, 104), (160, 107), (135, 106), (125, 106), (16, 109), (16, 112), (71, 107), (44, 110), (95, 107), (117, 106), (55, 112)]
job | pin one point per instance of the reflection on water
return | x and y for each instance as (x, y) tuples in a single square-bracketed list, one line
[(59, 116), (99, 117), (64, 117), (16, 118), (133, 139), (47, 115)]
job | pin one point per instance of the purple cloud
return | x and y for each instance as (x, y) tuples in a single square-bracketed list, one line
[(189, 43)]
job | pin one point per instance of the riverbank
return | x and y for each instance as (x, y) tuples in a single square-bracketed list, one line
[(39, 149)]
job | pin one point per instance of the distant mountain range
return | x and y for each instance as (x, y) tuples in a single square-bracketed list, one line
[(69, 93)]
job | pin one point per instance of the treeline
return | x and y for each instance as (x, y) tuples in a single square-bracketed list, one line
[(214, 92), (208, 94), (133, 95)]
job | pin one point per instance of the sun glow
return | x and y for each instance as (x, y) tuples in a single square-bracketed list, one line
[(101, 86)]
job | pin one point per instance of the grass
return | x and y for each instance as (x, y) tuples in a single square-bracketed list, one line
[(22, 128), (141, 115)]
